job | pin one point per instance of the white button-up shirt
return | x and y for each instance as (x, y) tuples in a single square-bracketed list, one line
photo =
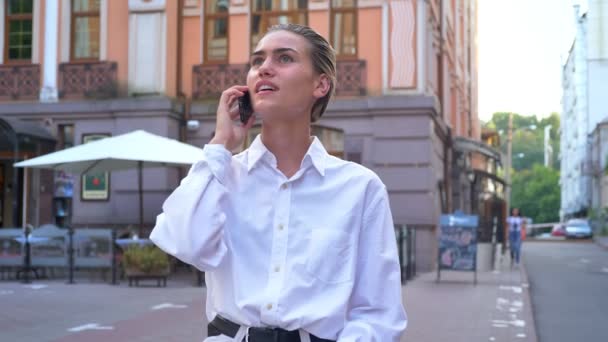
[(315, 252)]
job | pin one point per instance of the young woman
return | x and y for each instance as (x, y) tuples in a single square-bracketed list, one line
[(297, 245), (516, 224)]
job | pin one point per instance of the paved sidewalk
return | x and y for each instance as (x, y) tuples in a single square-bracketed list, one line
[(602, 241), (496, 309)]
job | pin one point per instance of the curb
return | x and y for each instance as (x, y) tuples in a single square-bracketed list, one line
[(524, 279), (601, 244)]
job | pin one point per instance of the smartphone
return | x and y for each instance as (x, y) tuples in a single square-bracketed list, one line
[(245, 108)]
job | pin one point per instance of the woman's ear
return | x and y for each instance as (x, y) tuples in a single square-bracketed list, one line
[(322, 86)]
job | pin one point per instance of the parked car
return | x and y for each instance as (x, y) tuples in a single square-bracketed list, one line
[(558, 230), (578, 228)]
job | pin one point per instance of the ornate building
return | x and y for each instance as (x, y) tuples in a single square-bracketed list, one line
[(407, 85)]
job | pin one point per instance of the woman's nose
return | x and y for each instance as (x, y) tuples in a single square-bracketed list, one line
[(266, 68)]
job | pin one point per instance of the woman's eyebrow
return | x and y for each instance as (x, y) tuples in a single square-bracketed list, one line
[(275, 51)]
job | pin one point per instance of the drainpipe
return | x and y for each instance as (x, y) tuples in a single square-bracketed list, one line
[(182, 98)]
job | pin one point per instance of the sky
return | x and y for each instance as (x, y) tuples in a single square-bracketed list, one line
[(522, 45)]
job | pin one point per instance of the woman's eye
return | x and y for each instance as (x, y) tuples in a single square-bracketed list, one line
[(285, 59), (257, 61)]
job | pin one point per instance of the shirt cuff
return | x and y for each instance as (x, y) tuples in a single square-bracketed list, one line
[(217, 158)]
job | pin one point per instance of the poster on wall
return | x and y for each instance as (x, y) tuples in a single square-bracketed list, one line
[(64, 184), (95, 186)]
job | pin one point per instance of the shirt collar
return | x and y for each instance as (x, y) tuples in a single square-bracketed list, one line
[(316, 154)]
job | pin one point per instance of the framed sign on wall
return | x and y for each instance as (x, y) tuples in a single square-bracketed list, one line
[(95, 186)]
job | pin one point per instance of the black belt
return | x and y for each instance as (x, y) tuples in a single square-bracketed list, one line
[(221, 325)]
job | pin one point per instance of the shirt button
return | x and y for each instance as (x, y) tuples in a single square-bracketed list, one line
[(284, 186), (269, 306), (277, 269), (280, 227)]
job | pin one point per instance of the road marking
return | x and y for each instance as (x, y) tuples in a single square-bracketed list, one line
[(605, 269), (525, 285), (584, 261), (168, 306), (516, 289), (497, 325), (515, 322), (6, 292), (36, 286), (492, 338), (520, 335), (90, 326)]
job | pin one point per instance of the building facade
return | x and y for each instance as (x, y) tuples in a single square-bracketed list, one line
[(84, 69), (584, 81)]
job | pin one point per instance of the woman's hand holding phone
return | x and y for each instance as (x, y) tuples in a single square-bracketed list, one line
[(229, 131)]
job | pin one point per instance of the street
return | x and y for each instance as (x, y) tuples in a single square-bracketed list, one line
[(568, 288)]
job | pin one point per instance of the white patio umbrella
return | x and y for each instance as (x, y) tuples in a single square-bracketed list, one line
[(136, 149)]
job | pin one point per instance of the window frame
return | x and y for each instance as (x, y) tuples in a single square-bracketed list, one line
[(7, 19), (206, 20), (354, 10), (73, 17), (265, 14)]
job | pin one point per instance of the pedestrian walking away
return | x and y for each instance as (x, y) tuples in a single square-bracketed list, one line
[(296, 245), (517, 225)]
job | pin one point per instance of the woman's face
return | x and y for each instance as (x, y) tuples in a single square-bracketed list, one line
[(281, 81), (515, 212)]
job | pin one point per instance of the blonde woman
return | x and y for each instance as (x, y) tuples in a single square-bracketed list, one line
[(296, 245)]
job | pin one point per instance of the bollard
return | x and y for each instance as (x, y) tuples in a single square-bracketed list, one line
[(493, 259), (27, 260), (71, 255), (114, 266)]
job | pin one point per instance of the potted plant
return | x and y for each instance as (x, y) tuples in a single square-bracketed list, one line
[(145, 261)]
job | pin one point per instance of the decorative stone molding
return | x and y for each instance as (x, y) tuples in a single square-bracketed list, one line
[(239, 7), (318, 5), (146, 5), (369, 3)]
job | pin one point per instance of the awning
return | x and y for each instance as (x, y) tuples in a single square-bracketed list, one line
[(469, 145), (25, 128)]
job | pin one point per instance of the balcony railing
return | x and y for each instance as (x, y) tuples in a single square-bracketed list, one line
[(88, 80), (208, 81), (352, 80), (19, 82)]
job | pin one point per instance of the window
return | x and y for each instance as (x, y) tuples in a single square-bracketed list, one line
[(85, 30), (216, 31), (18, 27), (266, 13), (344, 28), (66, 136)]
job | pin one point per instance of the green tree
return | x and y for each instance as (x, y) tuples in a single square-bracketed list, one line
[(528, 144), (537, 193)]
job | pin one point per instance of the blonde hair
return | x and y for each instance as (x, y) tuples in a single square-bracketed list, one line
[(323, 58)]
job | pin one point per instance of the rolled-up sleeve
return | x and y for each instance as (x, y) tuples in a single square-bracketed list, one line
[(191, 224), (376, 312)]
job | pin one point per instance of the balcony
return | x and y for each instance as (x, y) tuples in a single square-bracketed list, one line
[(352, 78), (19, 82), (92, 80), (208, 81)]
